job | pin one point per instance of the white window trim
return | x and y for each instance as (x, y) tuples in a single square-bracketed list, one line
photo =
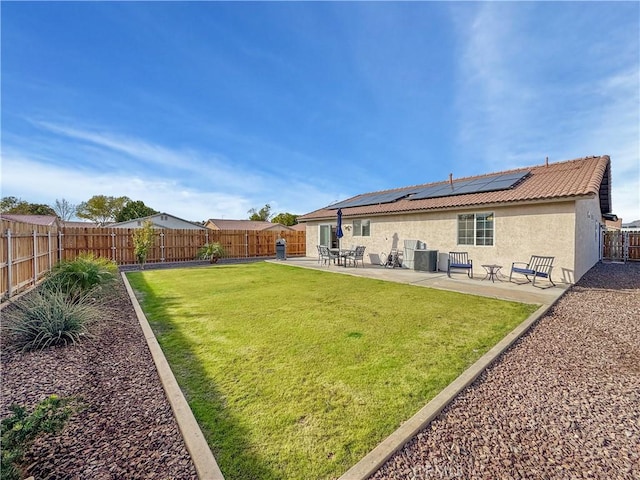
[(358, 232), (475, 226)]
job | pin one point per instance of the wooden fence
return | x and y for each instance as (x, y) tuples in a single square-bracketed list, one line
[(28, 252), (621, 246)]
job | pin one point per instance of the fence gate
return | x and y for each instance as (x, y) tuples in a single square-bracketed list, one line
[(621, 246)]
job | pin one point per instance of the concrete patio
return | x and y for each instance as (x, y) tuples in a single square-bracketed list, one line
[(459, 282)]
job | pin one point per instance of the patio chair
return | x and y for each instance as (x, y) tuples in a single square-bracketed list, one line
[(326, 255), (461, 261), (356, 255), (538, 266)]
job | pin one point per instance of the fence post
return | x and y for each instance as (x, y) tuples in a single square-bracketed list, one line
[(49, 248), (9, 264), (35, 257), (113, 246), (60, 235), (162, 247), (625, 246)]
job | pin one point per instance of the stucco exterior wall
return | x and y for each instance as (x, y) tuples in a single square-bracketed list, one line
[(588, 234), (519, 232)]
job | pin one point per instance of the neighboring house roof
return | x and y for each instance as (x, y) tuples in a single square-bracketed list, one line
[(46, 220), (299, 227), (156, 220), (634, 224), (566, 180), (223, 224), (80, 224)]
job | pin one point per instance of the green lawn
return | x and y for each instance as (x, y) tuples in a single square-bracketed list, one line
[(295, 373)]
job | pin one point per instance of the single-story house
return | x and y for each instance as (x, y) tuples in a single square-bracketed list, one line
[(80, 224), (45, 220), (159, 220), (631, 226), (554, 209), (223, 224)]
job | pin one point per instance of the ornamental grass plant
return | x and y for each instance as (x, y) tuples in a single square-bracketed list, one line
[(86, 272), (58, 311), (49, 316)]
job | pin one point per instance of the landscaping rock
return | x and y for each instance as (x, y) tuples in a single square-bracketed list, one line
[(124, 428), (563, 402)]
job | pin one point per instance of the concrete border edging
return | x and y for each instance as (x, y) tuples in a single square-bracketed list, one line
[(196, 444), (394, 442)]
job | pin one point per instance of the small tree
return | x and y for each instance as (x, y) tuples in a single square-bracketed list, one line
[(64, 209), (264, 214), (142, 242), (287, 219), (134, 209)]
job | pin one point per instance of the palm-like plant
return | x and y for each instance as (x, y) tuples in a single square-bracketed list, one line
[(211, 251)]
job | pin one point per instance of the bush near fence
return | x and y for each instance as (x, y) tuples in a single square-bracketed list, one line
[(28, 252)]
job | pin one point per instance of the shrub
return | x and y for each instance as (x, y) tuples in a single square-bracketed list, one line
[(47, 317), (86, 272), (142, 242), (20, 429), (211, 251)]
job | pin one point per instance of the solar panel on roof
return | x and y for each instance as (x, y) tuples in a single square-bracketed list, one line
[(461, 187), (489, 183), (500, 184), (467, 188), (372, 199), (514, 176)]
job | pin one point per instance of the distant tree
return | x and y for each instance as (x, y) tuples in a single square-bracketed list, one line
[(21, 207), (287, 219), (64, 209), (40, 209), (7, 204), (260, 215), (101, 208), (134, 209)]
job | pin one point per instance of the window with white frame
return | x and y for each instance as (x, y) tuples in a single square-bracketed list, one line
[(475, 229), (361, 228)]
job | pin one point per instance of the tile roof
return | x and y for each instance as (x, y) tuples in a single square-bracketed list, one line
[(46, 220), (553, 181), (75, 224), (153, 219), (224, 224)]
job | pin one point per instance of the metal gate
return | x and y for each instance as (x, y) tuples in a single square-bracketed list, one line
[(621, 246)]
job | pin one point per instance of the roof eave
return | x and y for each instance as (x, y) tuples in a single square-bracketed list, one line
[(475, 206)]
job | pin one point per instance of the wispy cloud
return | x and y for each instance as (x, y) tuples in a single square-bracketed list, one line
[(518, 103), (190, 184)]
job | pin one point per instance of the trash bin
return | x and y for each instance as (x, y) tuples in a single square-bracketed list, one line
[(281, 249), (425, 260)]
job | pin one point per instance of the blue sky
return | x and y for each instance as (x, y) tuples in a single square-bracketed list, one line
[(206, 110)]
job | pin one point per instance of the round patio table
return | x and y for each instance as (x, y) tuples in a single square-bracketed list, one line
[(492, 271)]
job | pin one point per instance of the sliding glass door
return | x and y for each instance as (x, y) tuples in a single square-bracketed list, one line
[(327, 236)]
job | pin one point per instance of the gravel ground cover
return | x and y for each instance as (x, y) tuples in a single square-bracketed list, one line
[(563, 402), (125, 428)]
